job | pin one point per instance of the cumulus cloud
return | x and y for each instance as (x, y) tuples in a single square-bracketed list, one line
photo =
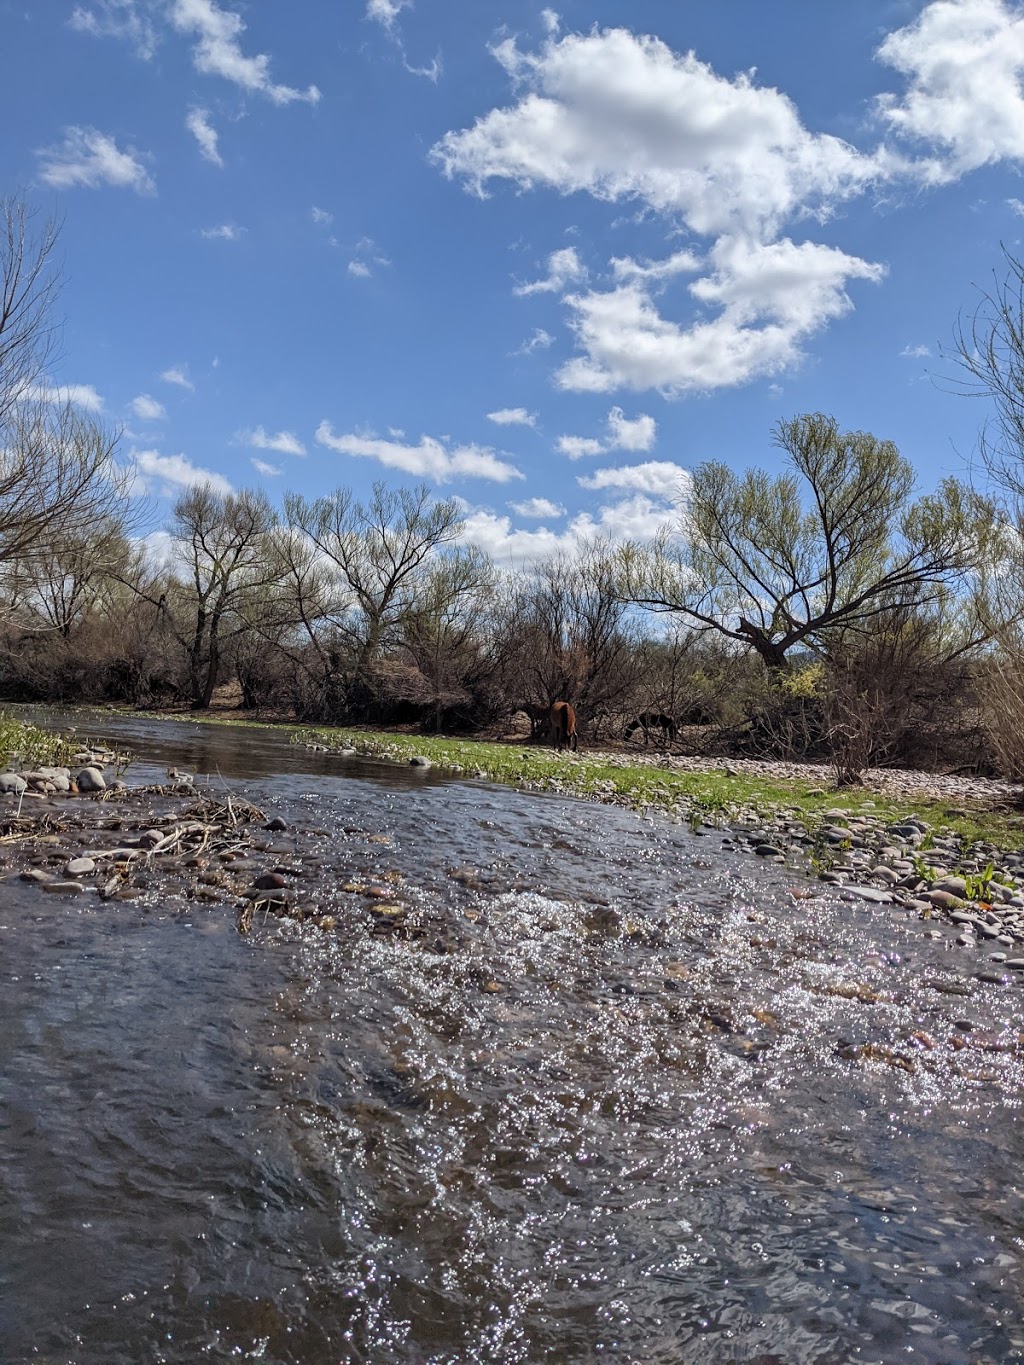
[(637, 518), (175, 374), (538, 507), (269, 471), (224, 232), (199, 125), (771, 297), (638, 433), (623, 117), (513, 417), (170, 473), (90, 158), (661, 478), (964, 65), (218, 51), (360, 269), (431, 459), (915, 352), (564, 267), (284, 442), (578, 446), (147, 409)]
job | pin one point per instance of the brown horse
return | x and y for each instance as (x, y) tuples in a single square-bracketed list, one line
[(563, 725)]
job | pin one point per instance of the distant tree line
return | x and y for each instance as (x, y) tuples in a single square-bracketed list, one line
[(827, 612)]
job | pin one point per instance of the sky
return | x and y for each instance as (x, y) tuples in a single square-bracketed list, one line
[(546, 259)]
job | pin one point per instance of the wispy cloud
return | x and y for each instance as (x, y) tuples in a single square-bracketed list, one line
[(513, 417), (175, 374), (199, 125), (218, 51), (564, 267), (175, 472), (269, 471), (117, 19), (91, 159), (915, 352), (147, 409), (225, 232), (284, 442), (321, 215), (386, 11), (539, 341), (430, 459)]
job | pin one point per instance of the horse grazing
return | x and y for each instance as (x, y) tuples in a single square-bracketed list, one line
[(563, 725), (648, 721)]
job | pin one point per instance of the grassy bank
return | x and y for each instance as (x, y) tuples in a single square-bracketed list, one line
[(712, 797), (25, 746)]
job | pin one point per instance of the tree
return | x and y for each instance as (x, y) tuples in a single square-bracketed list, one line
[(57, 472), (778, 563), (380, 553), (220, 542)]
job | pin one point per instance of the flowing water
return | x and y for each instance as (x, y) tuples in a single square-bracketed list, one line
[(626, 1097)]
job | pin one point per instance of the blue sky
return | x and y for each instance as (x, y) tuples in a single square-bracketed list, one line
[(544, 258)]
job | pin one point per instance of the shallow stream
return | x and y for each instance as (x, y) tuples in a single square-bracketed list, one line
[(629, 1095)]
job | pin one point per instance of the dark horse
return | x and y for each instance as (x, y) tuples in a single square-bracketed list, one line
[(563, 725), (648, 721)]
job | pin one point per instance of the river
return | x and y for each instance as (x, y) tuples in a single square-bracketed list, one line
[(626, 1097)]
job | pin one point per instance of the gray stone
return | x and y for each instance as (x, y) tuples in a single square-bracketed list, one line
[(944, 899), (955, 885), (1015, 964), (419, 761), (80, 867), (866, 893), (63, 888), (767, 851), (91, 780), (35, 874), (11, 784), (886, 874)]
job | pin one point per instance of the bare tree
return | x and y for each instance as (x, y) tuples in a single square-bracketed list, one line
[(29, 283), (782, 562), (380, 552), (221, 546)]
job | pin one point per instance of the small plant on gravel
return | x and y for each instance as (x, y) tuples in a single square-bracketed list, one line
[(29, 746)]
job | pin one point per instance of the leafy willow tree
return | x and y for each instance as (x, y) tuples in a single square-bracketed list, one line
[(787, 561)]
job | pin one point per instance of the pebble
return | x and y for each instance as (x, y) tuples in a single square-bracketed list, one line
[(80, 867), (276, 824)]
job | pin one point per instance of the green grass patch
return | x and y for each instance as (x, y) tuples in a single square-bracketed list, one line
[(713, 797), (25, 746)]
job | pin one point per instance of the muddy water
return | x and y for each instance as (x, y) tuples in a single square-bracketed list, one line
[(626, 1097)]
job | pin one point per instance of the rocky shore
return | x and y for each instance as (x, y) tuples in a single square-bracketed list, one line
[(80, 829)]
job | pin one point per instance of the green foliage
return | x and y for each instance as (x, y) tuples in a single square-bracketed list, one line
[(29, 746)]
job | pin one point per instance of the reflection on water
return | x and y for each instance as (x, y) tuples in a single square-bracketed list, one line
[(625, 1098)]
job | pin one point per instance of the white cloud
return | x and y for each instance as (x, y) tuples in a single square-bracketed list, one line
[(539, 341), (771, 297), (360, 269), (578, 446), (564, 267), (199, 125), (322, 216), (175, 374), (284, 442), (430, 459), (635, 518), (1016, 207), (117, 19), (639, 433), (269, 471), (679, 263), (538, 507), (78, 395), (147, 409), (90, 158), (217, 51), (513, 417), (915, 352), (660, 478), (174, 472), (622, 116), (386, 11), (550, 20), (964, 63), (225, 232)]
